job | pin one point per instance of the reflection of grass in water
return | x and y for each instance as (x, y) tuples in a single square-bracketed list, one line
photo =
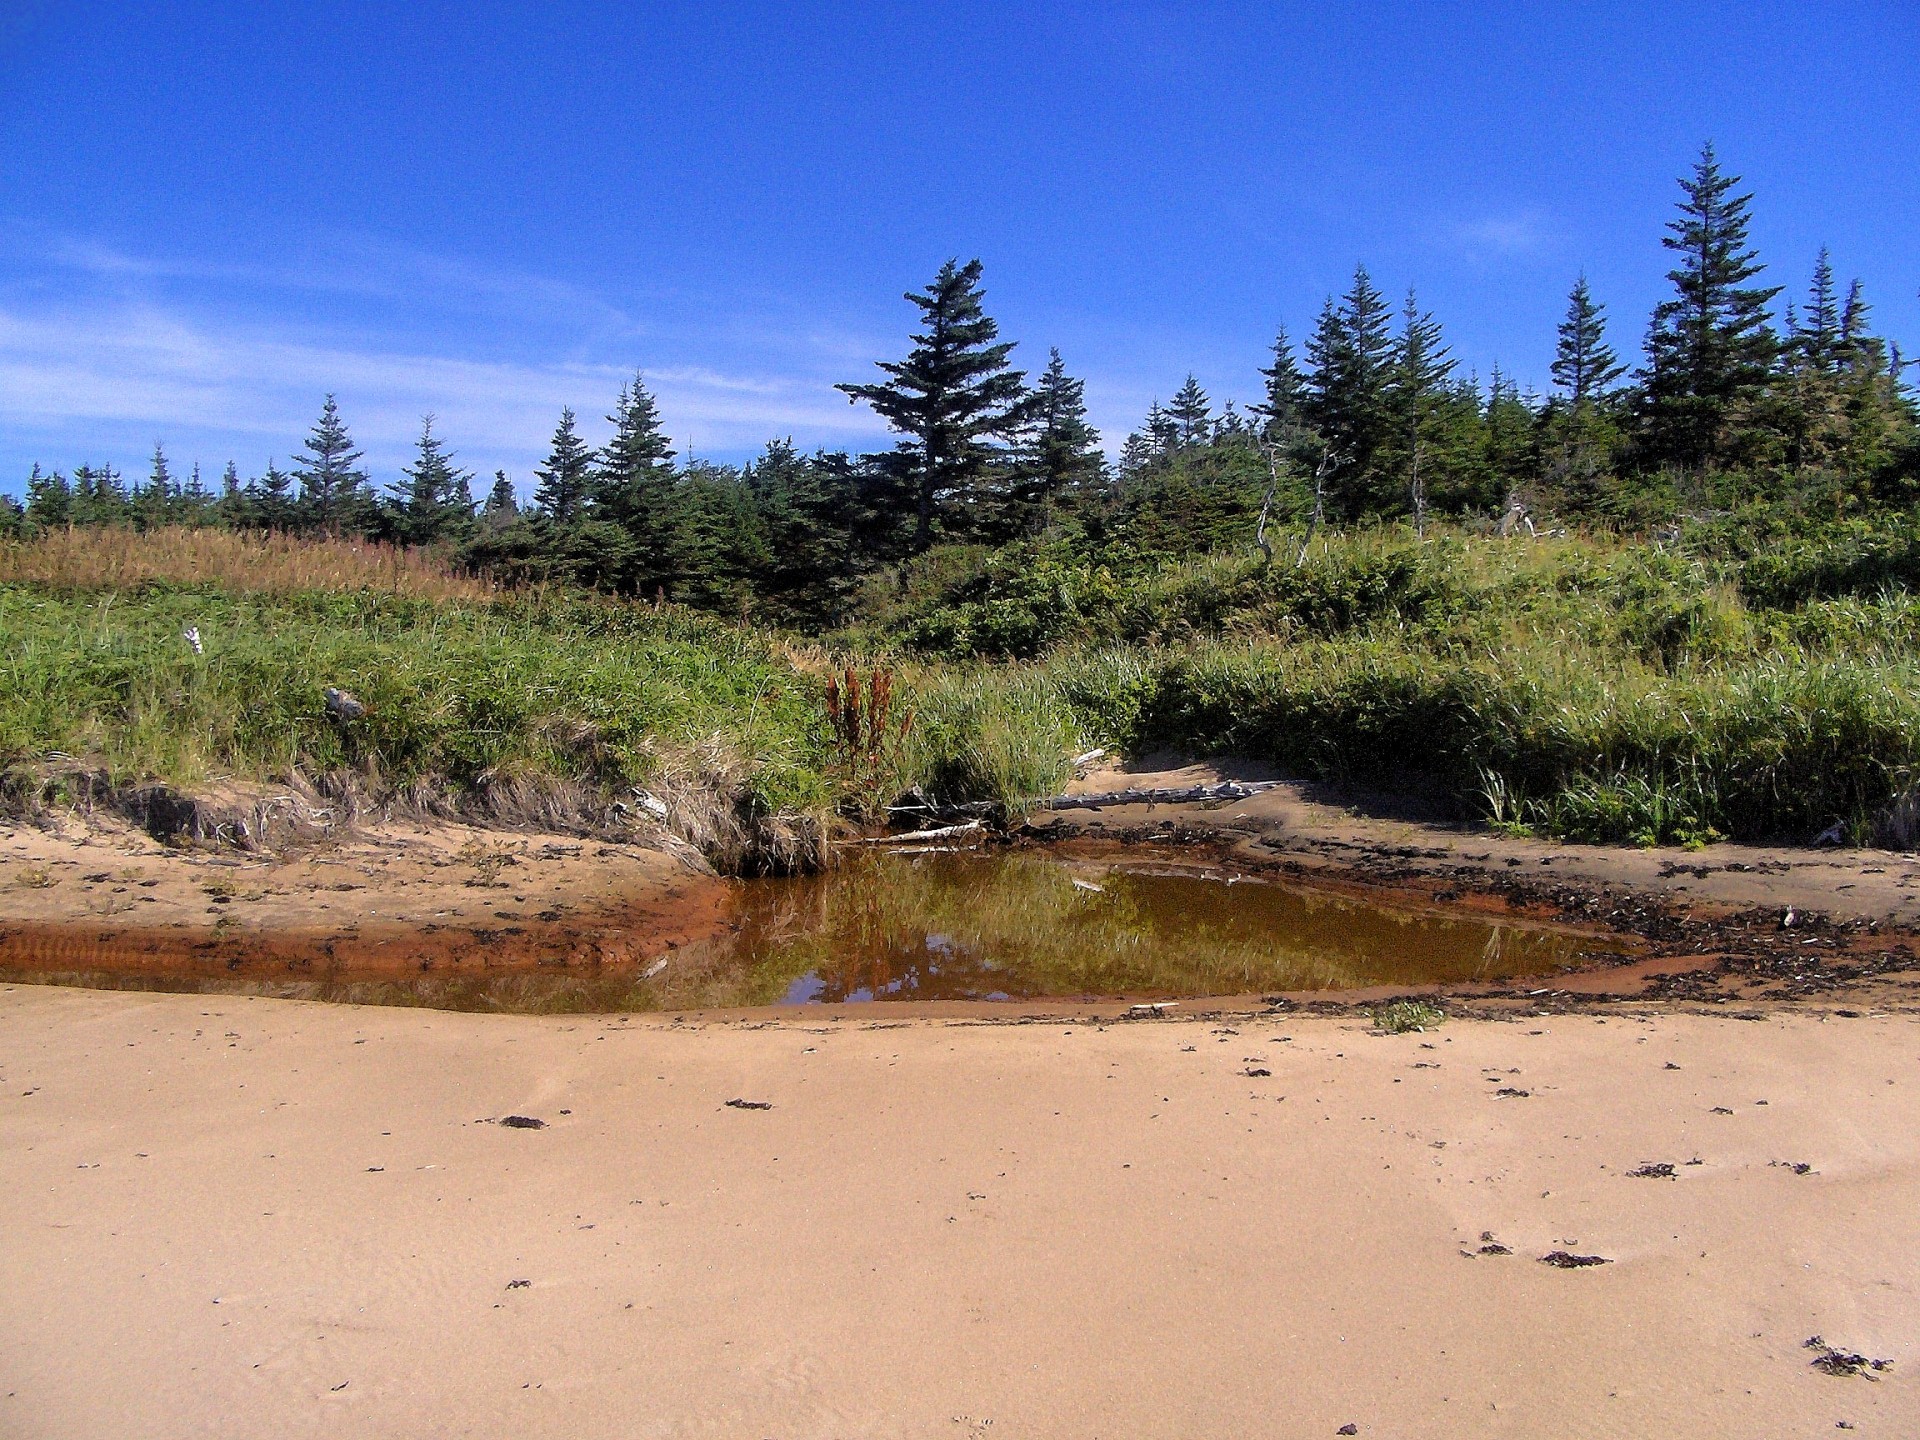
[(957, 926), (1021, 926)]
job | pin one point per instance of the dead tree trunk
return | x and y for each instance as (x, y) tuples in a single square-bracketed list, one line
[(1271, 451), (1327, 461), (1419, 497), (1516, 516)]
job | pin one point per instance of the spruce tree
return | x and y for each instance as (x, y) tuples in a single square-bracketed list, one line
[(638, 459), (1281, 412), (1351, 355), (1416, 388), (159, 475), (1852, 338), (1162, 431), (437, 497), (1584, 365), (49, 499), (332, 486), (1817, 338), (156, 501), (276, 497), (90, 506), (953, 395), (1191, 414), (634, 486), (502, 504), (1062, 451), (1711, 349), (566, 478)]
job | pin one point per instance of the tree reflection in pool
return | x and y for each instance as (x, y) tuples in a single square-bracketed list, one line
[(986, 926), (1024, 925)]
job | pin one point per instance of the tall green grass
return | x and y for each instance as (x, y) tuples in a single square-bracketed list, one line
[(1716, 684), (461, 695), (455, 692)]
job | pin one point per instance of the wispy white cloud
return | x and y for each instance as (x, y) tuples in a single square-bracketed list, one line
[(1522, 232), (103, 352)]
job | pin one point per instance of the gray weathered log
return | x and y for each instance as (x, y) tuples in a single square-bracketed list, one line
[(1225, 790)]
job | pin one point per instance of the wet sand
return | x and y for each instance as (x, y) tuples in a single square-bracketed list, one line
[(1396, 840), (402, 899), (240, 1217)]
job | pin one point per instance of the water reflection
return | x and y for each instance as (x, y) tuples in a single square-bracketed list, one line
[(994, 926), (1027, 926)]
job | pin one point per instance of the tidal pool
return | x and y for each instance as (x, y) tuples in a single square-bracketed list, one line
[(994, 926)]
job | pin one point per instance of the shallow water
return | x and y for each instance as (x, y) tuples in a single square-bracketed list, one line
[(996, 926)]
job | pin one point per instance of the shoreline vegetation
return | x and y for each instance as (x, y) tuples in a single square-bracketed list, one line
[(1587, 688), (1664, 606)]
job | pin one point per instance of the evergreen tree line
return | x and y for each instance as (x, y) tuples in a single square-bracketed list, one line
[(1372, 421), (1726, 408)]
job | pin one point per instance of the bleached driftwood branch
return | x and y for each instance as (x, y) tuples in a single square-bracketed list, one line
[(1225, 790), (939, 832)]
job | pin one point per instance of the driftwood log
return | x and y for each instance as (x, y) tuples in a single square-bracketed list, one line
[(1225, 790), (939, 832)]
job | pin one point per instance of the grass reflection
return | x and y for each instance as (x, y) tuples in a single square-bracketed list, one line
[(974, 926)]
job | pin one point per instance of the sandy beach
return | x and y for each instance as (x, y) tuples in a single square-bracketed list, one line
[(238, 1217)]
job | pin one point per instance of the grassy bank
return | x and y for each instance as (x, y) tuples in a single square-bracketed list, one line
[(1732, 682), (1727, 683), (481, 701)]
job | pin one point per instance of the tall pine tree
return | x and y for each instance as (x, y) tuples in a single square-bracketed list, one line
[(1711, 350), (333, 487), (1816, 340), (1581, 422), (1282, 411), (1417, 385), (1062, 451), (1351, 355), (1584, 365), (437, 499), (1191, 414), (634, 486), (952, 396), (566, 478), (275, 497)]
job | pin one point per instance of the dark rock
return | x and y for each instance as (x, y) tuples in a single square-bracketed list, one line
[(1842, 1362), (1563, 1260)]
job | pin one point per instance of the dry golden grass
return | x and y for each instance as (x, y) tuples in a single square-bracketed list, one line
[(113, 558)]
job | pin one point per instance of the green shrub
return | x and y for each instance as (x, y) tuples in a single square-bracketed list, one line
[(1401, 1016)]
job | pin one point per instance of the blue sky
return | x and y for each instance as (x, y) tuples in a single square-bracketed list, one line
[(210, 214)]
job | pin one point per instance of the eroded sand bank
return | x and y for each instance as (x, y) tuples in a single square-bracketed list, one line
[(398, 899), (246, 1217)]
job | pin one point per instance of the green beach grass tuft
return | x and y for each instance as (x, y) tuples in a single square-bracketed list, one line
[(1402, 1016)]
